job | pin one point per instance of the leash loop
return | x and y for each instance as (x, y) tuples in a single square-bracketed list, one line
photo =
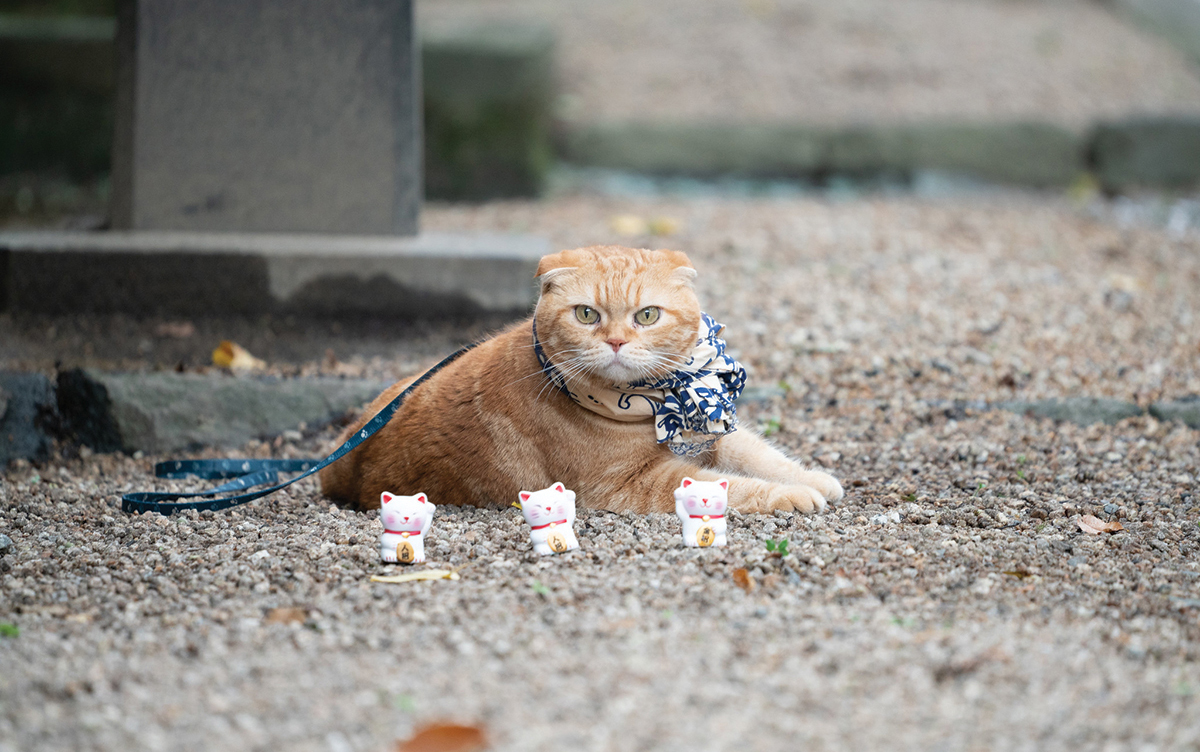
[(248, 473)]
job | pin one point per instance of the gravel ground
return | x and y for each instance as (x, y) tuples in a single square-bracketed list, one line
[(1065, 61), (949, 602)]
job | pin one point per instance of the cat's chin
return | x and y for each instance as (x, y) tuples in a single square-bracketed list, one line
[(621, 373)]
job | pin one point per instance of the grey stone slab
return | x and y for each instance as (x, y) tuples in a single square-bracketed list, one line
[(267, 116), (162, 412), (1082, 410), (28, 416), (1025, 153), (433, 274), (1147, 152), (1186, 410)]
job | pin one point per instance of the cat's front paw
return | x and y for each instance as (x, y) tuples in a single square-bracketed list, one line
[(388, 556), (824, 483), (801, 498)]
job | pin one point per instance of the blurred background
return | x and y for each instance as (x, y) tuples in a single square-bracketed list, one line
[(1100, 97)]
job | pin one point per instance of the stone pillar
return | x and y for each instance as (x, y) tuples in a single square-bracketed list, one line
[(267, 116)]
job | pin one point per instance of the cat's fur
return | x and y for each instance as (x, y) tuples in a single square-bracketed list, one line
[(700, 505), (551, 517), (491, 423), (408, 518)]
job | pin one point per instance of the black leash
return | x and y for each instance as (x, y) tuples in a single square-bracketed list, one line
[(254, 473)]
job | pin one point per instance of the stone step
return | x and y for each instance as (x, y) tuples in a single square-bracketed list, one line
[(188, 273)]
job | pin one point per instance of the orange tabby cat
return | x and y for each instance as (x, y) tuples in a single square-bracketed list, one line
[(493, 423)]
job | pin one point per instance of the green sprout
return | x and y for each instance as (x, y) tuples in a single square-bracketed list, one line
[(771, 426), (540, 589), (8, 630), (779, 548)]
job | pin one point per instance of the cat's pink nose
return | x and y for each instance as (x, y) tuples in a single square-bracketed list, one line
[(547, 509), (704, 500), (615, 344)]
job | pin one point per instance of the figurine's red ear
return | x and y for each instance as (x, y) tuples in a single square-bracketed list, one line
[(559, 487), (525, 495), (723, 484), (422, 498), (687, 482), (385, 497)]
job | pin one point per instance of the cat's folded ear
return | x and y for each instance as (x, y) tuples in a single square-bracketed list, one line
[(524, 495), (552, 266), (686, 482), (422, 498), (723, 484), (385, 497), (682, 266)]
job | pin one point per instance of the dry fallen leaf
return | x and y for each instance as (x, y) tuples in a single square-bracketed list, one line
[(1094, 526), (236, 358), (1020, 574), (425, 574), (663, 226), (286, 615), (445, 737), (741, 578), (628, 224)]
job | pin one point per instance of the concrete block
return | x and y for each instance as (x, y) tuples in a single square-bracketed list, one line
[(1147, 152), (1035, 154), (698, 149), (28, 416), (267, 116), (181, 273), (488, 97), (1022, 153), (1082, 410), (163, 412)]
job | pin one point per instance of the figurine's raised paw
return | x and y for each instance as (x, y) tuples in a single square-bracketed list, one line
[(802, 498)]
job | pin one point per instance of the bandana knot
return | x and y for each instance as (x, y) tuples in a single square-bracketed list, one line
[(692, 406)]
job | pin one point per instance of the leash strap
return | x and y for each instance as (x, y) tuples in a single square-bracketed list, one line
[(254, 473)]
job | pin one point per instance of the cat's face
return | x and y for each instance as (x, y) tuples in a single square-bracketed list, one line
[(404, 512), (551, 504), (704, 497), (612, 315)]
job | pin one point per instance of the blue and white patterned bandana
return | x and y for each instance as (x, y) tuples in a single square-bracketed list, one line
[(692, 406)]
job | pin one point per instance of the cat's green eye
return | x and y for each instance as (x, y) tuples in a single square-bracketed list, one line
[(586, 314), (646, 316)]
